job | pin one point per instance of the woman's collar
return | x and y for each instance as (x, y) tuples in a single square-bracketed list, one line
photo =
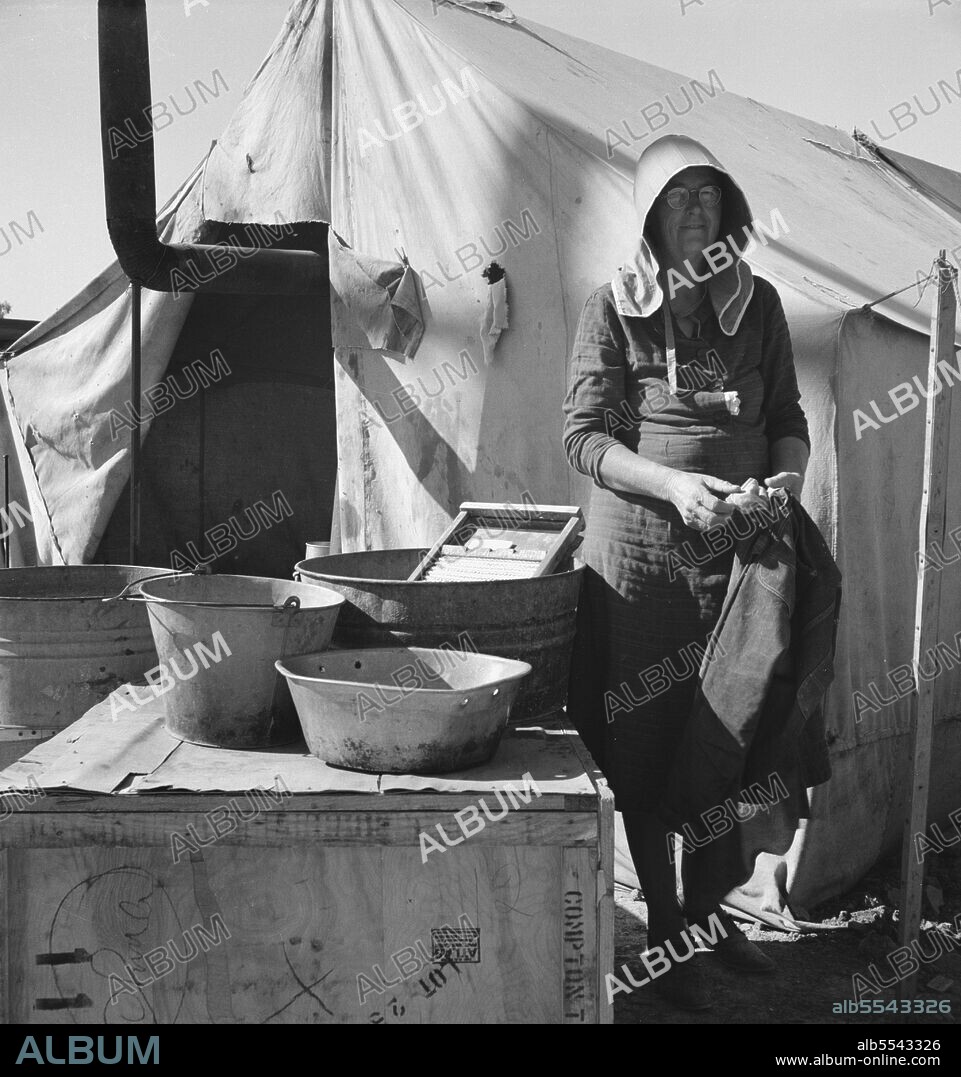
[(638, 292)]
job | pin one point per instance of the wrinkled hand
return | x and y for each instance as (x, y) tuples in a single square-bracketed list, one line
[(790, 480), (698, 498)]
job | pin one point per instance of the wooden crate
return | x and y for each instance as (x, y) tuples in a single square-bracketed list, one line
[(311, 897)]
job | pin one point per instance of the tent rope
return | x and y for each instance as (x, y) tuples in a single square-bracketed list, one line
[(936, 271), (923, 281)]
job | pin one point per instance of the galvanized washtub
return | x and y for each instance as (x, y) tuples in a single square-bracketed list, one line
[(63, 649), (217, 639), (403, 710), (527, 620)]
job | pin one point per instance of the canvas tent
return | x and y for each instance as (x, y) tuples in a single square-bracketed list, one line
[(455, 135)]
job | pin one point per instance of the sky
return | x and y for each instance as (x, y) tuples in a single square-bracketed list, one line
[(841, 62)]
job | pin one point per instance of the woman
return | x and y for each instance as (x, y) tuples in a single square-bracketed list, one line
[(682, 388)]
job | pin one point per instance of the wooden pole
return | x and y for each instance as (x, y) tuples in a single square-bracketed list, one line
[(135, 431), (6, 510), (928, 606)]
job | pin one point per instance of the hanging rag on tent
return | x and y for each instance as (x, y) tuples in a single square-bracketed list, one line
[(386, 299), (495, 318)]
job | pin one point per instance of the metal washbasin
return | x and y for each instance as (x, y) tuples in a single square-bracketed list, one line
[(530, 620), (403, 710)]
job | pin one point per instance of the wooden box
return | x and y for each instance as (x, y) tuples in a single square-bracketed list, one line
[(157, 881)]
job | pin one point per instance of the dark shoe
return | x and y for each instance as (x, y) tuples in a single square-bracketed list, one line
[(733, 948), (683, 986)]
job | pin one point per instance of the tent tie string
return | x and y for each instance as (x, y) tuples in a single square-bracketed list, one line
[(936, 271)]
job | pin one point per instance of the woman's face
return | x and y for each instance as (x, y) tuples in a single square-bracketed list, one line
[(684, 233)]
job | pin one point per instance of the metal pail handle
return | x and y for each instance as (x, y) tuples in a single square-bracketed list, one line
[(146, 579)]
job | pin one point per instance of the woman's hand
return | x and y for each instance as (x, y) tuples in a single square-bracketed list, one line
[(698, 499), (792, 480)]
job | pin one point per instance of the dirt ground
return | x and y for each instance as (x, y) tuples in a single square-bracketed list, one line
[(814, 970)]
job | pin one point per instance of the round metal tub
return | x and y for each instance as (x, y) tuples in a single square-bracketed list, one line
[(528, 620), (62, 649), (403, 710)]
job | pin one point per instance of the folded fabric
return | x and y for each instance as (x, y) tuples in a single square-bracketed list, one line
[(386, 299), (756, 722)]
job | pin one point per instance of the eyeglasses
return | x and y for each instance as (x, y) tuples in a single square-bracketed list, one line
[(678, 197)]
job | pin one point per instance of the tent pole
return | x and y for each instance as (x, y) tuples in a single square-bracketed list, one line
[(927, 609), (202, 476), (135, 432), (6, 510)]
